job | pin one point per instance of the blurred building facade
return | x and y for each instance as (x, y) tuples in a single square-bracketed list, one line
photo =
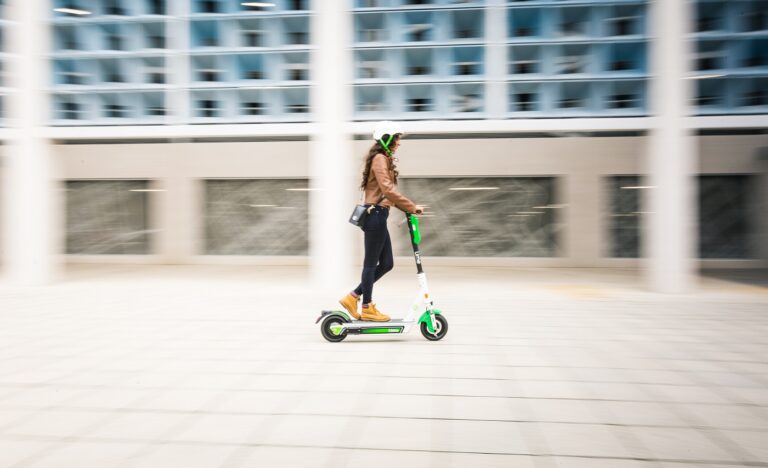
[(180, 128)]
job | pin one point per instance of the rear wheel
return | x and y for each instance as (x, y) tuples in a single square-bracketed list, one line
[(331, 328), (441, 329)]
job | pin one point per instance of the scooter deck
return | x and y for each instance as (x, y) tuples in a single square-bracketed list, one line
[(369, 322)]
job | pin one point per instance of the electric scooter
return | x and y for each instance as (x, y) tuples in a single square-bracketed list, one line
[(337, 324)]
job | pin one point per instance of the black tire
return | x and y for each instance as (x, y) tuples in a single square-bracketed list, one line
[(325, 329), (442, 329)]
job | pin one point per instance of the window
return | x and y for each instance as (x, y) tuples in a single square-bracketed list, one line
[(467, 103), (725, 221), (298, 74), (466, 68), (524, 22), (298, 108), (370, 99), (157, 7), (624, 216), (208, 108), (574, 21), (113, 8), (522, 227), (756, 53), (622, 101), (252, 39), (418, 70), (70, 110), (524, 60), (114, 42), (210, 41), (157, 42), (755, 93), (420, 32), (619, 65), (574, 95), (755, 20), (115, 77), (526, 102), (572, 64), (709, 16), (373, 35), (210, 74), (74, 78), (256, 217), (523, 67), (419, 105), (298, 38), (298, 5), (69, 40), (156, 111), (622, 26), (371, 69), (107, 217), (210, 6), (115, 111), (571, 103), (254, 75), (757, 97), (466, 24), (253, 108), (156, 76)]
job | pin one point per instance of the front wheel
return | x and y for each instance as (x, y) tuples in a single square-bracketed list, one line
[(331, 328), (441, 329)]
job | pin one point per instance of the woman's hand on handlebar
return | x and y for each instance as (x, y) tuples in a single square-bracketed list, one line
[(419, 209)]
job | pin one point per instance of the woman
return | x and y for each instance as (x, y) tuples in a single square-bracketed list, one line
[(379, 180)]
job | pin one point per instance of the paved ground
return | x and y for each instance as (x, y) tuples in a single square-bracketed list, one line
[(224, 367)]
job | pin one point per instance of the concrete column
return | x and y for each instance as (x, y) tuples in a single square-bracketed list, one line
[(178, 106), (31, 231), (179, 215), (496, 58), (671, 237), (583, 214), (331, 162)]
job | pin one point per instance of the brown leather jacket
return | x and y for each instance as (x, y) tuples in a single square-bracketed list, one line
[(380, 182)]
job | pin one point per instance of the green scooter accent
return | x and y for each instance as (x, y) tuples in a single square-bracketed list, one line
[(416, 233), (376, 331), (425, 318), (341, 314)]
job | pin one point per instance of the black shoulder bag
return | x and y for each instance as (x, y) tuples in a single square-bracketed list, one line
[(361, 212)]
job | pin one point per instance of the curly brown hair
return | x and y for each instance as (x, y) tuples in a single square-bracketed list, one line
[(376, 149)]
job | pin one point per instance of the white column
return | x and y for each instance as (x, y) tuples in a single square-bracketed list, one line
[(178, 66), (31, 231), (671, 237), (496, 98), (331, 163), (582, 215), (179, 215)]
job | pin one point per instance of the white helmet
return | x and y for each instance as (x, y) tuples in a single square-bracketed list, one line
[(386, 127)]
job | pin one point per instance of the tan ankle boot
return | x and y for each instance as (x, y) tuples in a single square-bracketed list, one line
[(350, 303), (372, 314)]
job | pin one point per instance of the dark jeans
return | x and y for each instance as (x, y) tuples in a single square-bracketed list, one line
[(378, 252)]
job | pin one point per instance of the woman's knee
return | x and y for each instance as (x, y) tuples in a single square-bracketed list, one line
[(387, 264)]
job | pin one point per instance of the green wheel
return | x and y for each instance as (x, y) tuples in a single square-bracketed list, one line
[(330, 329), (441, 329)]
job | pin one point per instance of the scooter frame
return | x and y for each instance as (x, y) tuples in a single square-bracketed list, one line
[(422, 311)]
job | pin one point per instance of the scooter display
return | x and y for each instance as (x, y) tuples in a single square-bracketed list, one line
[(337, 324)]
